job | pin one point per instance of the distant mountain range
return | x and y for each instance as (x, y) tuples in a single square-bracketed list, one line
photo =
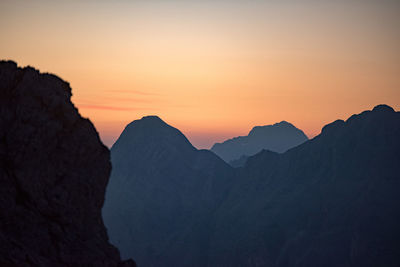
[(278, 137), (331, 201)]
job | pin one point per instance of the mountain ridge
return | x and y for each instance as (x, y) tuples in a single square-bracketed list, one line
[(277, 137), (331, 201)]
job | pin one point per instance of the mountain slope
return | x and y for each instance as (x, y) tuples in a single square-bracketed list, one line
[(278, 137), (53, 175), (332, 201), (162, 194)]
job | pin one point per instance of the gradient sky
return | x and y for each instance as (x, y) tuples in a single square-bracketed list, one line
[(213, 69)]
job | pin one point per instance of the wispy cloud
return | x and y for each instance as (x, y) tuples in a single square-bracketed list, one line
[(85, 106), (128, 99), (134, 92)]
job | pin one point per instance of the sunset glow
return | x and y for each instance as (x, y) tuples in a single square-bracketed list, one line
[(212, 70)]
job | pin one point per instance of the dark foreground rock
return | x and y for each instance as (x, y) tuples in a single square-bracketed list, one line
[(53, 175)]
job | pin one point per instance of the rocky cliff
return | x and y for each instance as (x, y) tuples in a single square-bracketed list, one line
[(53, 174)]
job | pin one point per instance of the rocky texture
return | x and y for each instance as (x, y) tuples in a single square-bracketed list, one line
[(278, 137), (53, 175), (332, 201), (162, 195)]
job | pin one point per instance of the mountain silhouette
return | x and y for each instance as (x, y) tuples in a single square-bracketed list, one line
[(332, 201), (53, 175), (278, 137), (162, 194)]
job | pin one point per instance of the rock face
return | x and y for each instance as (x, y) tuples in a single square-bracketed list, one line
[(53, 175), (278, 137), (332, 201), (162, 196)]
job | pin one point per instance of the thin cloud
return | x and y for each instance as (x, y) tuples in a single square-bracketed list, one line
[(136, 92), (84, 106), (127, 99)]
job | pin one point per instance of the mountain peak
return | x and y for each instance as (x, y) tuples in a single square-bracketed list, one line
[(278, 125), (277, 137), (151, 120), (383, 108), (378, 117), (151, 131), (154, 118), (283, 123)]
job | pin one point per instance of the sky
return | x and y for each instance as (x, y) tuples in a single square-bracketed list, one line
[(212, 69)]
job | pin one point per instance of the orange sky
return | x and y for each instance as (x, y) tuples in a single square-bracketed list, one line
[(212, 69)]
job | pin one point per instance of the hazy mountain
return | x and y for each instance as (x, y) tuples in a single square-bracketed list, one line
[(278, 137), (53, 175), (162, 195), (332, 201)]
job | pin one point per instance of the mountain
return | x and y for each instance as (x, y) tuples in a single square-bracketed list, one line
[(162, 194), (278, 137), (239, 162), (53, 175), (332, 201)]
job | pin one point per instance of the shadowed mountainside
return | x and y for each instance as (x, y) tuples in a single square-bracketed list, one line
[(53, 175), (278, 137), (162, 194), (332, 201)]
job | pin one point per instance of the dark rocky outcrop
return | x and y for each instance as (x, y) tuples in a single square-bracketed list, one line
[(53, 175), (278, 137), (162, 195)]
